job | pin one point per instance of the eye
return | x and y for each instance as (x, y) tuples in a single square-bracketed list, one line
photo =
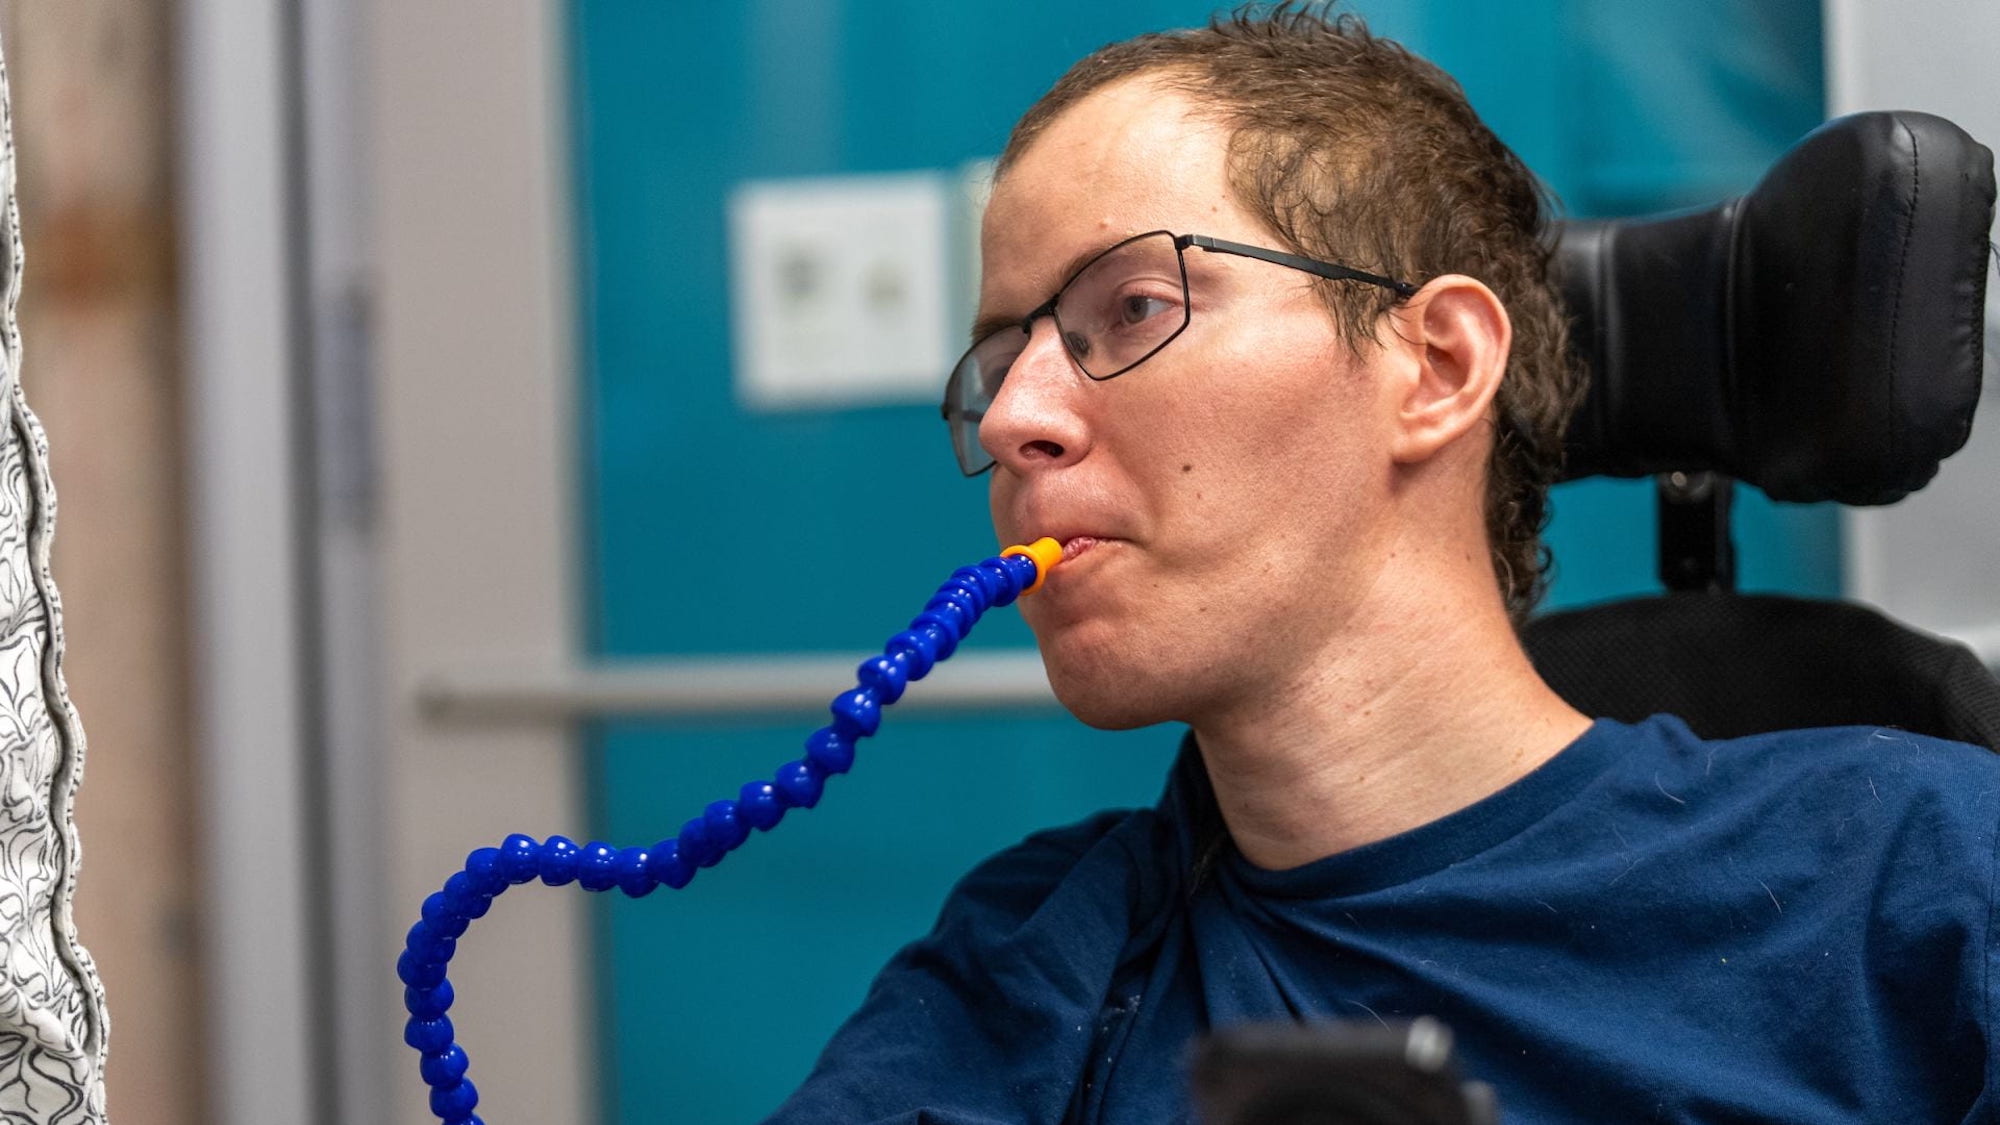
[(1137, 308)]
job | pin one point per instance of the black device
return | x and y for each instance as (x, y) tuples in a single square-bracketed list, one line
[(1396, 1073)]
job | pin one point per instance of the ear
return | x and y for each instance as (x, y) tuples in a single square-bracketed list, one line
[(1456, 335)]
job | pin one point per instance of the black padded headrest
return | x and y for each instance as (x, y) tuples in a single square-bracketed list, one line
[(1820, 338)]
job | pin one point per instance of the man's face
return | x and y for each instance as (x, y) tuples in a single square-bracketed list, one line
[(1221, 502)]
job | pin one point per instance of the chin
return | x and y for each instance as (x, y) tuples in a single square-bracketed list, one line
[(1108, 711), (1110, 667), (1107, 695)]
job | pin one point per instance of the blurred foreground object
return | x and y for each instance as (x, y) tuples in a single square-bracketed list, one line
[(52, 1021), (1399, 1073)]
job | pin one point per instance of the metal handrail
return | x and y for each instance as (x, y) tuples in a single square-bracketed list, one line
[(718, 686), (781, 683)]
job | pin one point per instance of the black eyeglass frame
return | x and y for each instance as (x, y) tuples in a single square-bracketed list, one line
[(1331, 271)]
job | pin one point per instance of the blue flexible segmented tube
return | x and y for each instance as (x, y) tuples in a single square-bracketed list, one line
[(933, 635)]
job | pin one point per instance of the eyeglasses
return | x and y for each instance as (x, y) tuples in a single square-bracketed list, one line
[(1114, 313)]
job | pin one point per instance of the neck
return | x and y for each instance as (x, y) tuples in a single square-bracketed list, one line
[(1394, 726)]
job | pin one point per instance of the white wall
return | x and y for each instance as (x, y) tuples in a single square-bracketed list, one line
[(469, 171), (1931, 560)]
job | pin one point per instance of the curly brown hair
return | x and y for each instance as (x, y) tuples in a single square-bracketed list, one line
[(1357, 151)]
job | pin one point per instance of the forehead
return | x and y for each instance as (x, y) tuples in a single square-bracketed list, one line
[(1131, 157)]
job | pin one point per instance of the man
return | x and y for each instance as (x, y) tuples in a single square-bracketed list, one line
[(1264, 340)]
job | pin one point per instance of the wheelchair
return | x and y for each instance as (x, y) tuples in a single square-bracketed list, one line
[(1820, 338)]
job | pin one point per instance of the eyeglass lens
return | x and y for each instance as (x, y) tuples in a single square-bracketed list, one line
[(1112, 315)]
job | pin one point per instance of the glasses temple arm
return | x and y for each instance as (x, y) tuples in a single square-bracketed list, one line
[(1313, 266)]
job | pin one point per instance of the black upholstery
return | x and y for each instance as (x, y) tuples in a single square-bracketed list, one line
[(1733, 664), (1820, 338)]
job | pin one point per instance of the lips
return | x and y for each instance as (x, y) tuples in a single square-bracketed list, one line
[(1081, 529), (1077, 545)]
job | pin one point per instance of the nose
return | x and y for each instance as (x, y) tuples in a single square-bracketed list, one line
[(1037, 420)]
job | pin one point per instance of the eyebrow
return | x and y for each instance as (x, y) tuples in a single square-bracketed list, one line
[(993, 322), (987, 325)]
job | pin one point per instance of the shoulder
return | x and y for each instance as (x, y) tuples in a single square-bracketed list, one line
[(1894, 831), (1938, 801), (1102, 875), (1921, 808), (984, 1014), (1911, 766), (1081, 868), (1874, 744)]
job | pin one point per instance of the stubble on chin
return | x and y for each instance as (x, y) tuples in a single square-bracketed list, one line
[(1103, 690)]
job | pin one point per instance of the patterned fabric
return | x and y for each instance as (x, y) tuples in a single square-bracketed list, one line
[(52, 1020)]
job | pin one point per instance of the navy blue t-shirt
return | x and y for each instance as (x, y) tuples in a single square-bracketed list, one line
[(1794, 927)]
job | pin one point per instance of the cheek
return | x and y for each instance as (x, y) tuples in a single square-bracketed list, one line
[(1253, 433)]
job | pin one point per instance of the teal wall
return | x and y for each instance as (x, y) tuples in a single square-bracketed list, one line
[(710, 529)]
